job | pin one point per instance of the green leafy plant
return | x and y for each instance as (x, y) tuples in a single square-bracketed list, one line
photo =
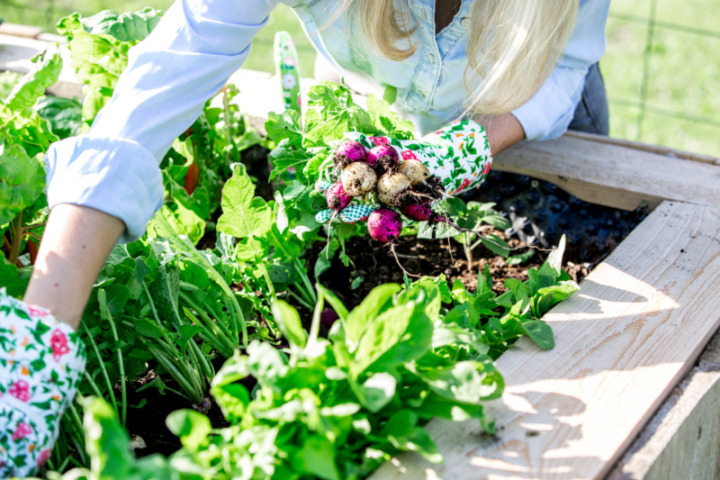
[(99, 47), (337, 408), (24, 138)]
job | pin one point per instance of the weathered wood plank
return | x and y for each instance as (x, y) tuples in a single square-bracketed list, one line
[(624, 341), (16, 52), (617, 176), (658, 149), (683, 438), (27, 31)]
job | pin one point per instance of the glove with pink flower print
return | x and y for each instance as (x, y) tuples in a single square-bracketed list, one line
[(41, 363), (457, 157)]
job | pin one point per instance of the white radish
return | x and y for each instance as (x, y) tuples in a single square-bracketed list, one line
[(358, 178)]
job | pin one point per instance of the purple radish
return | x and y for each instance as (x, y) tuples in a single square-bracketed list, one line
[(328, 317), (337, 197), (383, 158), (421, 212), (349, 152), (385, 225)]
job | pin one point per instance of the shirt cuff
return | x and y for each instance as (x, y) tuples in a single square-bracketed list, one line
[(548, 114), (116, 176)]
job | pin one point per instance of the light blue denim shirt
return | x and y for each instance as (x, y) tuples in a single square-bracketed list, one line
[(199, 43)]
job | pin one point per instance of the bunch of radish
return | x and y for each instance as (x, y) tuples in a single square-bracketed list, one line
[(400, 185), (405, 185)]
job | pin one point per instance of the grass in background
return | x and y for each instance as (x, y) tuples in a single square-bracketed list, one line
[(664, 92)]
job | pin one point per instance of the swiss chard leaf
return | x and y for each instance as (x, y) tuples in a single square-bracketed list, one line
[(22, 179), (244, 215)]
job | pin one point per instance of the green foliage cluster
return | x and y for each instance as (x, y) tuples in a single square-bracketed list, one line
[(337, 407)]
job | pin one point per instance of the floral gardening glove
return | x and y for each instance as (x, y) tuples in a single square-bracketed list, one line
[(458, 155), (41, 362)]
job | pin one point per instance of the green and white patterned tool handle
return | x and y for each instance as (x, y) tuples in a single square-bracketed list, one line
[(286, 66)]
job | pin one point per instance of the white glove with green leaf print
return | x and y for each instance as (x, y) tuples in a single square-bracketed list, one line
[(456, 157)]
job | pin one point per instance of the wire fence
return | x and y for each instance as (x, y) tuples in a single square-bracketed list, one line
[(661, 66), (676, 102)]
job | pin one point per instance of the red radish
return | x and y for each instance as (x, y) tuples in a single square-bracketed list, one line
[(385, 225), (383, 158), (358, 179), (415, 170), (337, 197), (349, 152)]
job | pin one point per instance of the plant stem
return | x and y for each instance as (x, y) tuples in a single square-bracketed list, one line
[(190, 389), (162, 328), (205, 366), (213, 336), (18, 231), (103, 370), (118, 351), (298, 267), (300, 300), (315, 325), (78, 438), (192, 252), (468, 251)]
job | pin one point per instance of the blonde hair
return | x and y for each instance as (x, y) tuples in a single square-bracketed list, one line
[(513, 45)]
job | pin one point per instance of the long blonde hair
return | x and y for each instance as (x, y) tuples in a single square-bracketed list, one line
[(513, 45)]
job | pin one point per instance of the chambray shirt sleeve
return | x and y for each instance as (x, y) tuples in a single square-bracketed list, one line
[(187, 58), (550, 111)]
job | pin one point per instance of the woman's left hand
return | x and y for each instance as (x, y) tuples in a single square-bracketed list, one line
[(457, 155)]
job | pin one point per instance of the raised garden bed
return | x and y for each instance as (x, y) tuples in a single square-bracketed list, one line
[(636, 328), (631, 334)]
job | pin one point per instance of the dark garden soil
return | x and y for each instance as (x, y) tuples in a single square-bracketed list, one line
[(540, 213)]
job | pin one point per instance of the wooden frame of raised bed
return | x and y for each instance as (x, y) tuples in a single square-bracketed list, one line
[(623, 394)]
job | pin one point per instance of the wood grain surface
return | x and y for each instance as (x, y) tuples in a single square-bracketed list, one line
[(618, 176), (682, 440), (624, 341)]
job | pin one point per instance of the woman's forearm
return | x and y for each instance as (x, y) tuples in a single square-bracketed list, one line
[(503, 131), (75, 245)]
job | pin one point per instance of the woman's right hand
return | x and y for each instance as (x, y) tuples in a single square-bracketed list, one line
[(41, 363)]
